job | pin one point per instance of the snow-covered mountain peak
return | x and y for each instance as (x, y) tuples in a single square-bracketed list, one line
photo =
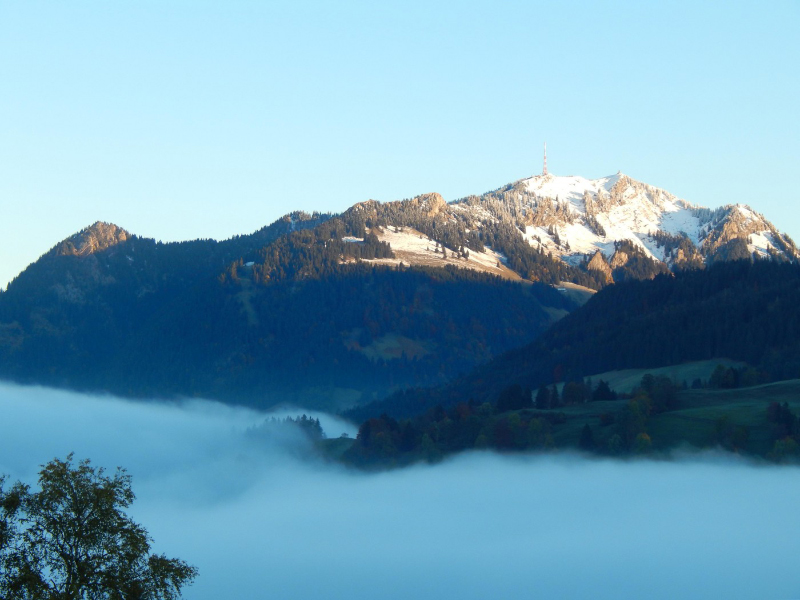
[(573, 217), (618, 189), (570, 187), (615, 225)]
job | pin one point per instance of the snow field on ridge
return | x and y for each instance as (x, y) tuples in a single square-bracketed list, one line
[(414, 248)]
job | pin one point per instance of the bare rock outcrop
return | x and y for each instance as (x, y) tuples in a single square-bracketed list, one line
[(431, 204), (598, 263), (619, 259), (94, 238)]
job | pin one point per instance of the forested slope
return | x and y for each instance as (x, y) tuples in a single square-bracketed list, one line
[(289, 321), (742, 310)]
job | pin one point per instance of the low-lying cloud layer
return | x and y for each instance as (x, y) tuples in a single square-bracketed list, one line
[(261, 522)]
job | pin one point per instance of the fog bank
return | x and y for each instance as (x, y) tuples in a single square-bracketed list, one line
[(259, 521)]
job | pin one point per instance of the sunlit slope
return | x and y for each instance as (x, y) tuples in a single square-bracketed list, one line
[(574, 216)]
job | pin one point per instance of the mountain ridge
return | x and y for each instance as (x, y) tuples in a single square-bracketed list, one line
[(586, 215), (595, 225), (379, 298)]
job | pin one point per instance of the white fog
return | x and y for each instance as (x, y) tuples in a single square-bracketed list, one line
[(261, 521)]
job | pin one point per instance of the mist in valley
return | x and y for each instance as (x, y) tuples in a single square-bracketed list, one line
[(261, 517)]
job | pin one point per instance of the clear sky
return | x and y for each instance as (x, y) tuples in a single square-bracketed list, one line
[(186, 119)]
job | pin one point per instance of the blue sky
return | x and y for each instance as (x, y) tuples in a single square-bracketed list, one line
[(179, 120)]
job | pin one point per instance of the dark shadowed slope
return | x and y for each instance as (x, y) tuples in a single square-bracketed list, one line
[(107, 311), (742, 310)]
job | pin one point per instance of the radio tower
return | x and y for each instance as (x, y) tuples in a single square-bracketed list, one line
[(544, 171)]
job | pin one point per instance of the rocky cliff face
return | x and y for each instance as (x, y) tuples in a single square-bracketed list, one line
[(95, 238), (598, 263)]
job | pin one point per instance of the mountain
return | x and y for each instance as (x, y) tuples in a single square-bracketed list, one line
[(575, 218), (748, 311), (589, 231), (333, 311), (311, 323)]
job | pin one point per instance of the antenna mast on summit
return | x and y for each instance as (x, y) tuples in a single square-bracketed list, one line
[(544, 171)]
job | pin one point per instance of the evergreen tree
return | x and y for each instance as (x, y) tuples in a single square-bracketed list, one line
[(543, 398), (514, 397), (555, 401), (603, 392)]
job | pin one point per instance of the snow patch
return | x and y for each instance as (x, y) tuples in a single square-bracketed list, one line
[(760, 243), (680, 221), (570, 188), (413, 248)]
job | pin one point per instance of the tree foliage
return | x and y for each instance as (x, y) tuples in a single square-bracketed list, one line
[(72, 540)]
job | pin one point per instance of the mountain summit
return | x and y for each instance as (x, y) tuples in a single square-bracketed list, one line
[(95, 238), (573, 218), (556, 229)]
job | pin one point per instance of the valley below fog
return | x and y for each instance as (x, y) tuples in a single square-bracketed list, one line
[(261, 517)]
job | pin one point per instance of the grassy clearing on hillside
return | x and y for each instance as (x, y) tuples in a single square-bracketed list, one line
[(700, 421), (580, 294), (759, 421), (625, 381)]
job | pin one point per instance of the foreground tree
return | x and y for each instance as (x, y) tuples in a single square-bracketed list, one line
[(72, 540)]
